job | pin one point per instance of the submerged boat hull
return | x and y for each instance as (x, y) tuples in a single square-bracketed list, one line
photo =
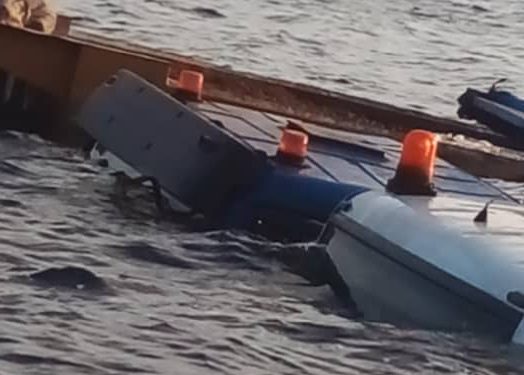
[(396, 281), (494, 110), (387, 291)]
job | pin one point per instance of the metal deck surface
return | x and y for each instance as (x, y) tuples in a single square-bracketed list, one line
[(342, 156)]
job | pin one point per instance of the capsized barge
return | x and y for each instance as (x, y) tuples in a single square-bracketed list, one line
[(414, 239), (444, 257), (55, 73)]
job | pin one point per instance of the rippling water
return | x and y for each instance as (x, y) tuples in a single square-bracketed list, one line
[(159, 299), (416, 53), (162, 300)]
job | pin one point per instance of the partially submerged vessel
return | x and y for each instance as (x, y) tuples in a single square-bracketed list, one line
[(415, 239), (500, 110), (425, 261), (55, 73), (411, 235)]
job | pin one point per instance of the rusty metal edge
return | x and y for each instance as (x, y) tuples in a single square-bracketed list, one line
[(305, 102), (299, 101), (280, 97)]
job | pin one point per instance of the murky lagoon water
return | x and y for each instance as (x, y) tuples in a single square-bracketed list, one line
[(167, 300)]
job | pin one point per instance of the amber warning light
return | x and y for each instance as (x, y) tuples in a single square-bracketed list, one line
[(293, 146), (189, 84), (414, 174)]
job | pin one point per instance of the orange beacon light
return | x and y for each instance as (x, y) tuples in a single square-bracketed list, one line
[(190, 84), (415, 170), (293, 146)]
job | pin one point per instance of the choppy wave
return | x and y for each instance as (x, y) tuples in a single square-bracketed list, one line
[(91, 285), (420, 54)]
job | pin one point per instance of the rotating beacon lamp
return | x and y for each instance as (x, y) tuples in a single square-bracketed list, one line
[(293, 147), (189, 85), (414, 174)]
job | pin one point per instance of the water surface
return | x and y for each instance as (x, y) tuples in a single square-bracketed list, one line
[(175, 301), (169, 300), (414, 53)]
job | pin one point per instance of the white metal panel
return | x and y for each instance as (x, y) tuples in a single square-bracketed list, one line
[(441, 231)]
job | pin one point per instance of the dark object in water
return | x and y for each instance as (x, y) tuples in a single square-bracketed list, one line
[(501, 111), (208, 12), (69, 277)]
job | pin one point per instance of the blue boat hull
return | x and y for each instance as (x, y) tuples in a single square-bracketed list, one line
[(501, 111)]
